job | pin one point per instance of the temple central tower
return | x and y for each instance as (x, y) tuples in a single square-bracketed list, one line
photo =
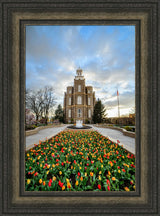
[(79, 100)]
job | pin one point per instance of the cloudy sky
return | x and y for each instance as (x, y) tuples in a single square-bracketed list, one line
[(106, 55)]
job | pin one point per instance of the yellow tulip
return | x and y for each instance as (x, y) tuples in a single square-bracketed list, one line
[(28, 181), (68, 185), (63, 188), (60, 172), (126, 189), (40, 181), (54, 178), (91, 173)]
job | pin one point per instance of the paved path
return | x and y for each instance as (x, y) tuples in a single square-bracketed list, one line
[(42, 135), (114, 135)]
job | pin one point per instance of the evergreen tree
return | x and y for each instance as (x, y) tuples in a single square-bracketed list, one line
[(59, 113), (99, 112)]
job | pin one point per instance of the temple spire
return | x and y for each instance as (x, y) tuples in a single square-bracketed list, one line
[(79, 72)]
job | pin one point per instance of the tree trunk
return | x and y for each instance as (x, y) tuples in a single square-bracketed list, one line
[(36, 119)]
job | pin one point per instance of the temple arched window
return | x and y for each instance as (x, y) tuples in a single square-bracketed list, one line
[(79, 100), (79, 113), (89, 113), (79, 88), (69, 113), (89, 101)]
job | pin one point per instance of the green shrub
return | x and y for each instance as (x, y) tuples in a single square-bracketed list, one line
[(86, 121), (128, 128), (30, 127)]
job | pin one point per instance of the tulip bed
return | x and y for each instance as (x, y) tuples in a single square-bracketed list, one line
[(79, 161)]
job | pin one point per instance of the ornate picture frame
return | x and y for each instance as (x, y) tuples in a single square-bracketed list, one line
[(15, 16)]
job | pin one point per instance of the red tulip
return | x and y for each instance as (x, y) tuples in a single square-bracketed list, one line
[(99, 186), (108, 182), (60, 184), (131, 182), (50, 183), (36, 174)]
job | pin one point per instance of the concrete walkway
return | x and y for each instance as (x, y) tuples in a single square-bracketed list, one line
[(114, 135), (42, 135)]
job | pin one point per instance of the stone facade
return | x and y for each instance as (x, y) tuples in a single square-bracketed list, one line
[(79, 100)]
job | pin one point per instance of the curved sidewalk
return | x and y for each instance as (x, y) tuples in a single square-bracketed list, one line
[(42, 135), (114, 135)]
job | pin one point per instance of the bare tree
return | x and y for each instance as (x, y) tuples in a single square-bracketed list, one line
[(40, 101), (34, 101), (48, 101)]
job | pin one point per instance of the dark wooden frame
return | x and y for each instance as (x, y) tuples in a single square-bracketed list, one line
[(144, 15)]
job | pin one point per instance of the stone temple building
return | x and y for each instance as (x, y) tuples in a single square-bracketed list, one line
[(79, 101)]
